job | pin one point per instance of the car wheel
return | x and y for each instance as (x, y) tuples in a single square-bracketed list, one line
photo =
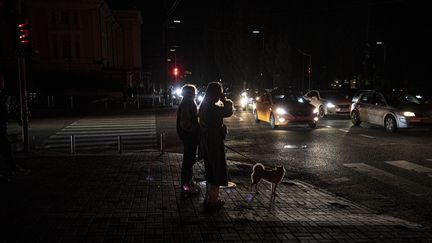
[(355, 118), (272, 121), (312, 125), (256, 116), (390, 123), (321, 112)]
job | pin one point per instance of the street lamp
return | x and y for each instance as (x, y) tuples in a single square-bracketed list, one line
[(380, 43), (259, 32)]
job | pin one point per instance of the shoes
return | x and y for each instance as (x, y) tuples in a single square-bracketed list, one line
[(191, 189), (213, 205)]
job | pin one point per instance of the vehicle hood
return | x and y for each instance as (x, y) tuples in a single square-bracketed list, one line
[(295, 105)]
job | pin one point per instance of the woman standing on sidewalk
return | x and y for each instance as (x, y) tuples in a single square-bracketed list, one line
[(212, 110), (188, 131)]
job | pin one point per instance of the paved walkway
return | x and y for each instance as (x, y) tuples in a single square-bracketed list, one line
[(136, 198)]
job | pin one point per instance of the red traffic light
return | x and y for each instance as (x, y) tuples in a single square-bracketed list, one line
[(175, 71), (23, 31)]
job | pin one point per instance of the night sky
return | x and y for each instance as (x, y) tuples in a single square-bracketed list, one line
[(334, 32)]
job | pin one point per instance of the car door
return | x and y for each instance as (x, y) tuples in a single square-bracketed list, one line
[(378, 109), (263, 113), (364, 106)]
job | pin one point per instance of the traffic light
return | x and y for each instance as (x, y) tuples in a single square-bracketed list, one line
[(175, 71), (23, 31)]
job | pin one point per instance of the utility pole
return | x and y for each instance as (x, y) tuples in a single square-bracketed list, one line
[(23, 86)]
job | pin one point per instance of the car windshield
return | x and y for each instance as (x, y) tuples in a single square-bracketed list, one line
[(334, 95), (287, 97), (403, 99)]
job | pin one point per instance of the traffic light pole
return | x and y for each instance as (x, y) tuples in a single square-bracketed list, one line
[(23, 89), (23, 99)]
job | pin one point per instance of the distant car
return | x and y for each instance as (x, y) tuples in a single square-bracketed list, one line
[(394, 111), (283, 107), (329, 101), (246, 99)]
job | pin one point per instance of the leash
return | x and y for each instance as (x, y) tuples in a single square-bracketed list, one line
[(236, 151)]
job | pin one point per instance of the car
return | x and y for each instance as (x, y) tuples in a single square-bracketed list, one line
[(392, 111), (282, 107), (246, 99), (329, 101)]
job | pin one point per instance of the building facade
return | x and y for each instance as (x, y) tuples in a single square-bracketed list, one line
[(82, 46)]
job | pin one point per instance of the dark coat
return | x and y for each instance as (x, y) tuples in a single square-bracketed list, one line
[(213, 133), (187, 120)]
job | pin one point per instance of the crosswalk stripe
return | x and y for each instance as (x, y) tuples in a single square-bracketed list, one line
[(95, 133), (403, 164), (390, 179), (116, 132), (343, 130)]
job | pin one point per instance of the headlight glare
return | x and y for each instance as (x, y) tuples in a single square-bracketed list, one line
[(408, 114), (281, 111), (330, 105), (315, 110)]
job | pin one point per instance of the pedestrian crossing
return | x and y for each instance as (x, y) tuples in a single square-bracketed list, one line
[(396, 181), (102, 134)]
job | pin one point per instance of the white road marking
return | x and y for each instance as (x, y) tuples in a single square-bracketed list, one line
[(390, 179), (366, 136), (101, 133), (343, 130), (403, 164)]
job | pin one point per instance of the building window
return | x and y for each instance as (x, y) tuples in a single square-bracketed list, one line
[(53, 17), (77, 49), (55, 49), (75, 18), (64, 18), (66, 49)]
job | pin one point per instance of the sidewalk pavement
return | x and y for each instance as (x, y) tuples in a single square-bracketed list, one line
[(136, 198)]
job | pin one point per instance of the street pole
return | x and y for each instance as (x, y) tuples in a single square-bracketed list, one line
[(23, 89), (310, 70)]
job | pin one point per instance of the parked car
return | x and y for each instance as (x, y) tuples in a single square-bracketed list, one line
[(394, 111), (283, 107), (329, 101)]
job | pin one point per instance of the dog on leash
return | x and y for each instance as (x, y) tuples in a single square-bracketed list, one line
[(274, 176)]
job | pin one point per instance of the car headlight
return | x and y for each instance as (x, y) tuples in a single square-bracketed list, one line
[(178, 92), (200, 98), (243, 101), (330, 105), (408, 113), (281, 111), (300, 100), (315, 110)]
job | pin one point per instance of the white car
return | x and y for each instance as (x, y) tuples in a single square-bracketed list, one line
[(329, 101), (398, 110)]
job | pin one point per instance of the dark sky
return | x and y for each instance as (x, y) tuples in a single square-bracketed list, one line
[(334, 31)]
